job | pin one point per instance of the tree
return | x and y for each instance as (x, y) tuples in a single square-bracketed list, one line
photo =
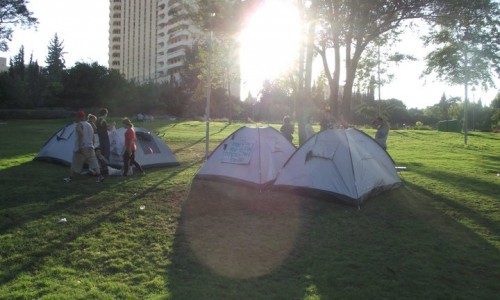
[(275, 100), (415, 115), (189, 84), (374, 66), (495, 107), (218, 49), (7, 91), (354, 24), (467, 43), (432, 114), (453, 107), (115, 90), (173, 99), (83, 85), (13, 13), (35, 83), (303, 99), (17, 71), (17, 68), (448, 107), (55, 59)]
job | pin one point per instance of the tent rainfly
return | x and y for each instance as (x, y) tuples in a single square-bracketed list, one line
[(347, 164), (251, 156), (151, 150)]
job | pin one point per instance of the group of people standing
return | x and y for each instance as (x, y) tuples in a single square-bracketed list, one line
[(382, 126), (92, 146), (287, 128)]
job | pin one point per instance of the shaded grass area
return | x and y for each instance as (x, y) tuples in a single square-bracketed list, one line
[(436, 238)]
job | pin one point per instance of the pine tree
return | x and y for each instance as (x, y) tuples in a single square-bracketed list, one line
[(34, 83), (55, 60), (17, 69)]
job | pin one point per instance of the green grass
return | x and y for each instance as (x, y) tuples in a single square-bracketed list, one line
[(436, 238)]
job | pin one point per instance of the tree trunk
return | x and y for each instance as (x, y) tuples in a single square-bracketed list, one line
[(307, 103), (351, 67), (335, 87)]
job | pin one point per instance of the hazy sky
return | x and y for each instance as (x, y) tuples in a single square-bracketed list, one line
[(81, 25), (83, 28)]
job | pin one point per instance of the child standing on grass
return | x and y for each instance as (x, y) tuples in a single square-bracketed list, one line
[(130, 148), (308, 128), (287, 129), (382, 131)]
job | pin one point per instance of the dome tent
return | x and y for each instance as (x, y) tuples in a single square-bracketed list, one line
[(346, 164), (251, 156), (151, 150)]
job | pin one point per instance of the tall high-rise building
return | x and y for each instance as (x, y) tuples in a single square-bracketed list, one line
[(148, 38)]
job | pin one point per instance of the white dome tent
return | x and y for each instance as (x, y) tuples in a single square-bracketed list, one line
[(252, 156), (347, 164), (151, 150)]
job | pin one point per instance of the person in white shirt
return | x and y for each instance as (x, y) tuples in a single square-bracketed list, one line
[(83, 151)]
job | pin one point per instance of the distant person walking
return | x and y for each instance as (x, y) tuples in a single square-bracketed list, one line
[(325, 121), (92, 119), (102, 132), (130, 148), (287, 129), (308, 128), (103, 162), (341, 123), (83, 151), (382, 131)]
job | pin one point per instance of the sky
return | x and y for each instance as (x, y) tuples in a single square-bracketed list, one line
[(83, 28), (81, 25)]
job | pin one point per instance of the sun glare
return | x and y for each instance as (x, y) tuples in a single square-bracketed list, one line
[(269, 44)]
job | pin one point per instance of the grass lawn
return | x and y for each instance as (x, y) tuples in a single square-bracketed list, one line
[(438, 237)]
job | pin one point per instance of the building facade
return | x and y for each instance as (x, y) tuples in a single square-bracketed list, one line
[(148, 39), (3, 65)]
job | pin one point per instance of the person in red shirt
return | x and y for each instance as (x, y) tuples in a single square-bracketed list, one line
[(130, 148)]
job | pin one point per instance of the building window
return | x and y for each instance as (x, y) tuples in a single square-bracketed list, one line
[(177, 28), (175, 60), (178, 48), (172, 2)]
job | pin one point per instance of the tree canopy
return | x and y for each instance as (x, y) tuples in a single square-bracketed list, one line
[(13, 13), (467, 41)]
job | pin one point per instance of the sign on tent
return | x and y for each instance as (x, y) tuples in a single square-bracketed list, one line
[(238, 152)]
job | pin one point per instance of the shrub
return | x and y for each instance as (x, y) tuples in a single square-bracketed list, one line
[(420, 126)]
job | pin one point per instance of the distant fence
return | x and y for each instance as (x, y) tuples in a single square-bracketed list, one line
[(30, 114), (449, 126)]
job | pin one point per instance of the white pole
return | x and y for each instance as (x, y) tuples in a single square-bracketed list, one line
[(209, 90), (473, 107), (466, 99), (378, 79)]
